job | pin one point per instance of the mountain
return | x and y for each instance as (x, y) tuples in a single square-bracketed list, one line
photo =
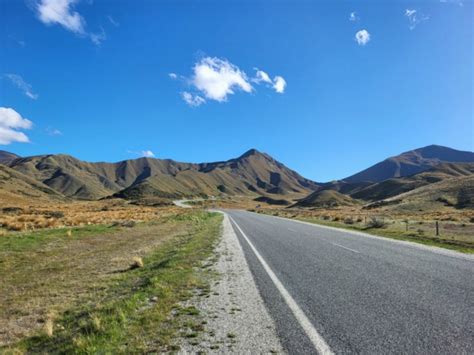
[(16, 188), (410, 163), (252, 173), (7, 157)]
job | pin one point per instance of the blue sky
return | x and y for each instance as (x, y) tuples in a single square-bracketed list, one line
[(92, 79)]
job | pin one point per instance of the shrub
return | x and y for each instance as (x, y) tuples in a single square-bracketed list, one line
[(376, 223), (137, 262), (348, 220)]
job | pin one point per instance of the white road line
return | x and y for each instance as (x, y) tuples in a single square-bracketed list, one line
[(291, 230), (317, 340), (342, 246)]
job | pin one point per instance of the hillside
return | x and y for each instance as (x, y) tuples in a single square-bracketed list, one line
[(410, 163), (397, 186), (456, 192), (252, 173), (326, 199), (18, 189), (7, 157)]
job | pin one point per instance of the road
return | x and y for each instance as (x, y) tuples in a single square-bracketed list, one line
[(333, 291)]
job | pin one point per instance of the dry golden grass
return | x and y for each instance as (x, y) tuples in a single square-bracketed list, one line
[(22, 217)]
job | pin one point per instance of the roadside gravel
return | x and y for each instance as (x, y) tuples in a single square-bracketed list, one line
[(235, 317)]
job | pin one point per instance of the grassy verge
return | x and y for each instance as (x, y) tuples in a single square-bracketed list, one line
[(130, 311), (388, 232)]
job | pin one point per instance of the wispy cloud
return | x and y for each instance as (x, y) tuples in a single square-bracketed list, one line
[(61, 12), (192, 100), (362, 37), (53, 132), (354, 17), (216, 79), (11, 123), (414, 18), (113, 21), (21, 84)]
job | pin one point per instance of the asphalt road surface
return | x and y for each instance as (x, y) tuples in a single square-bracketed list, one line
[(335, 291)]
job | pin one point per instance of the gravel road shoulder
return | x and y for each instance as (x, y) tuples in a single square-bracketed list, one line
[(235, 317)]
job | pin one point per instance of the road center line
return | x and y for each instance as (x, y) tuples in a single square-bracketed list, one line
[(342, 246), (291, 230), (316, 339)]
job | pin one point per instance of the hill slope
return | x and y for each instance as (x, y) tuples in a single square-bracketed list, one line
[(251, 173), (7, 157), (16, 188), (410, 163), (326, 199)]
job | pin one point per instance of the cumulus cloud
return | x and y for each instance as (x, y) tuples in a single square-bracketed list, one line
[(279, 84), (21, 84), (11, 123), (216, 79), (61, 12), (414, 19), (353, 16), (362, 37)]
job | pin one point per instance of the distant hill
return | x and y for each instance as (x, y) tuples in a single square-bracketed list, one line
[(326, 199), (457, 192), (16, 188), (449, 182), (410, 163), (252, 173), (7, 157)]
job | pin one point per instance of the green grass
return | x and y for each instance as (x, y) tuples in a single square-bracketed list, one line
[(126, 319), (26, 241)]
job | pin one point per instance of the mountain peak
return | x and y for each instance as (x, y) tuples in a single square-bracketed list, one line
[(250, 152)]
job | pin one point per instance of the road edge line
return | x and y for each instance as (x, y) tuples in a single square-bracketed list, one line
[(316, 339)]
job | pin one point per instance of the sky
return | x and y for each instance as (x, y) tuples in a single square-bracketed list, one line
[(326, 87)]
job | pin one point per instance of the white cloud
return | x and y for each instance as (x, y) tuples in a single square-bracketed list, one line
[(192, 100), (21, 84), (61, 12), (279, 84), (353, 16), (362, 37), (217, 78), (147, 154), (261, 76), (10, 124), (414, 19)]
